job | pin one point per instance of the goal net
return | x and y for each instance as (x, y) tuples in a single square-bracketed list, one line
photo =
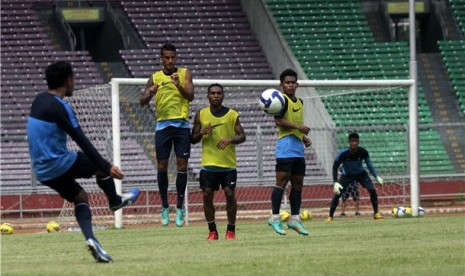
[(377, 110)]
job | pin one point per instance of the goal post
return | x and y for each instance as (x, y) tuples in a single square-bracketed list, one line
[(316, 115)]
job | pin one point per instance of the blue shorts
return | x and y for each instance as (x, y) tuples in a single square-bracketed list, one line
[(294, 165), (167, 137), (66, 184), (213, 180)]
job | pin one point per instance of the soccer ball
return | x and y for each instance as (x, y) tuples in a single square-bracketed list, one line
[(306, 215), (284, 215), (7, 229), (271, 101), (399, 212), (53, 226), (421, 211), (408, 211)]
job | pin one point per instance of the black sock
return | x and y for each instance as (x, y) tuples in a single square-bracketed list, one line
[(83, 216), (295, 200), (162, 178), (107, 184), (231, 227), (334, 203), (181, 183), (374, 200), (276, 198), (212, 226)]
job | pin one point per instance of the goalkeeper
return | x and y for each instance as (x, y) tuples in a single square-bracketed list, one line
[(352, 170)]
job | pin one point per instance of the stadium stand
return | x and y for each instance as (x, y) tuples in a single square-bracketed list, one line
[(26, 51), (332, 40), (453, 52)]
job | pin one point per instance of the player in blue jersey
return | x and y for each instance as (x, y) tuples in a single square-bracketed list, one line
[(50, 121), (290, 158), (351, 159)]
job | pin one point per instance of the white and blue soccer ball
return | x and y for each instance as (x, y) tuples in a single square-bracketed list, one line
[(271, 101), (421, 211), (399, 212)]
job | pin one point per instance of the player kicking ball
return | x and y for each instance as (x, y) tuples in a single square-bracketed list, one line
[(351, 159), (50, 121), (219, 129)]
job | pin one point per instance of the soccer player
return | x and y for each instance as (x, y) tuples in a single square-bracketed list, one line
[(173, 89), (50, 121), (219, 129), (351, 159), (290, 161)]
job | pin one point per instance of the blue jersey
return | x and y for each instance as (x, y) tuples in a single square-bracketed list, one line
[(352, 163), (50, 121)]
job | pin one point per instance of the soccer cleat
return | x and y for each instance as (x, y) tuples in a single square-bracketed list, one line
[(277, 226), (97, 251), (179, 217), (165, 216), (127, 198), (378, 216), (343, 214), (212, 236), (357, 214), (230, 235), (297, 226), (328, 220)]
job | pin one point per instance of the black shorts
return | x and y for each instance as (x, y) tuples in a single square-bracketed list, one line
[(294, 166), (351, 190), (66, 184), (213, 180), (167, 137), (362, 178)]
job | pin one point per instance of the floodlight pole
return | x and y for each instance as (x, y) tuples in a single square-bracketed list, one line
[(413, 116)]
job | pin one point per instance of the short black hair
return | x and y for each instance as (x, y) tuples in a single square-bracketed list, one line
[(213, 85), (58, 73), (287, 72), (354, 135), (167, 47)]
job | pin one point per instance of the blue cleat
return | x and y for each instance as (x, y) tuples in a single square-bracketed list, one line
[(277, 226), (127, 198), (165, 216), (297, 226), (179, 217), (97, 251)]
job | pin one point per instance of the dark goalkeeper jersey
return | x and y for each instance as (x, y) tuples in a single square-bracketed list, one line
[(352, 163), (50, 121)]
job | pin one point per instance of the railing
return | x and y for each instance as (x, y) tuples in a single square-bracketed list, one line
[(67, 28), (125, 37)]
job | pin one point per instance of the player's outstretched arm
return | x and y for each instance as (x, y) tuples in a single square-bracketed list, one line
[(149, 92)]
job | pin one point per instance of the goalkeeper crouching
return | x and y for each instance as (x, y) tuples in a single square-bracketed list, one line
[(351, 159)]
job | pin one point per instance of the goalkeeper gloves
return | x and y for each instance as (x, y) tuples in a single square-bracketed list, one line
[(337, 188), (379, 180)]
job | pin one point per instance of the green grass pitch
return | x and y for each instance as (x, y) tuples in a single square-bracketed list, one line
[(353, 246)]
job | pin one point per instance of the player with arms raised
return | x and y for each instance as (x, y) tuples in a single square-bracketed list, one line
[(219, 129), (290, 159), (173, 89), (351, 159)]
